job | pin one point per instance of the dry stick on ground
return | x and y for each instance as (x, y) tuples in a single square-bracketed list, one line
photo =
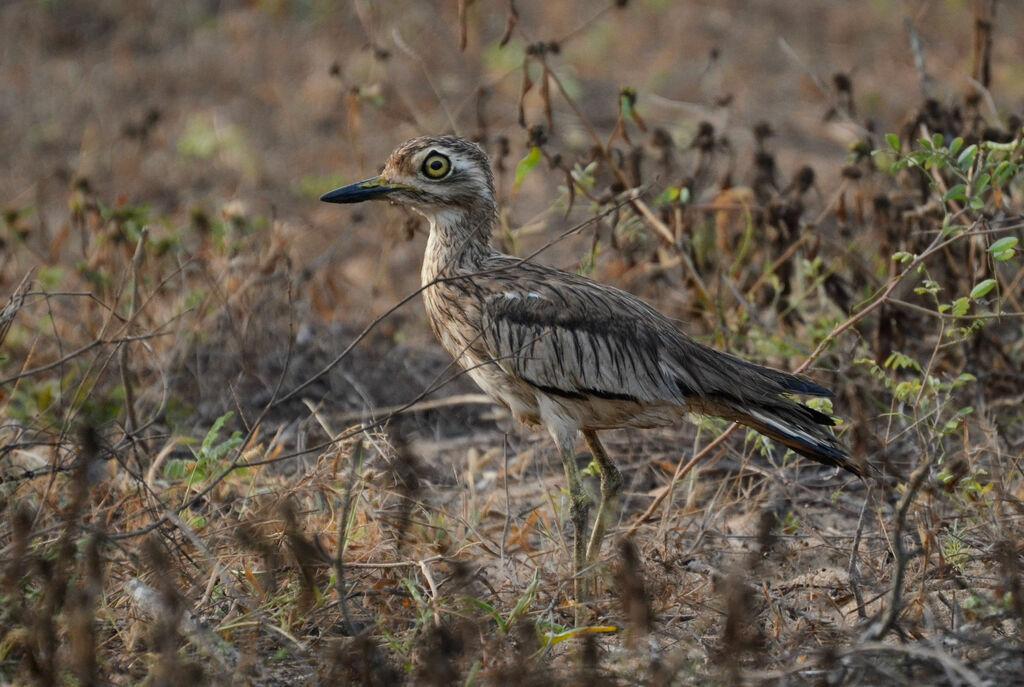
[(881, 627), (14, 304), (132, 423), (508, 503), (432, 404), (854, 569), (217, 569), (395, 564)]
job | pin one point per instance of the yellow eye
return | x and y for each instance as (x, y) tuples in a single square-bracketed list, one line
[(436, 166)]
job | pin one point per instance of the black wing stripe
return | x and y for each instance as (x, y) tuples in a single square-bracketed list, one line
[(582, 394)]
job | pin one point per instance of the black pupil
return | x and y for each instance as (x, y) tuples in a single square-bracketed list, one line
[(436, 165)]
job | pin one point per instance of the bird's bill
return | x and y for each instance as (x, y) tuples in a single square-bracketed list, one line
[(377, 187)]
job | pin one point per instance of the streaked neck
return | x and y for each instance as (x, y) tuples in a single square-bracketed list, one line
[(458, 241)]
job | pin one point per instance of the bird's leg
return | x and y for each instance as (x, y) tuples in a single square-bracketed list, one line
[(579, 512), (611, 485)]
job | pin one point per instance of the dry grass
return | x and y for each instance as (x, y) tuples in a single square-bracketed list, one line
[(198, 484)]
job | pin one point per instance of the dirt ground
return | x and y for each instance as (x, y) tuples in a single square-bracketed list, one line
[(231, 452)]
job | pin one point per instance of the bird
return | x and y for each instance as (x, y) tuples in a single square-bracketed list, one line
[(567, 353)]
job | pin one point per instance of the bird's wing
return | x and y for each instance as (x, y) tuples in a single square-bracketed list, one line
[(568, 333), (577, 338), (569, 336)]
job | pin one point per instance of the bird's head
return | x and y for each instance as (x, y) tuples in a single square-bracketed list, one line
[(433, 175)]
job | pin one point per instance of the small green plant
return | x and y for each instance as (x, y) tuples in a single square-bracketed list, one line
[(789, 524), (208, 459), (954, 550), (981, 172), (522, 605)]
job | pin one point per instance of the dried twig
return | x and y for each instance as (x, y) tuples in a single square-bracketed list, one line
[(887, 620)]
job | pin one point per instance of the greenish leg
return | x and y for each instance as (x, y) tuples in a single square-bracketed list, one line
[(579, 512), (611, 485)]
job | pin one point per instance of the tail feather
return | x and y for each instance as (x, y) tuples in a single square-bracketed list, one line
[(787, 381), (717, 383), (802, 429)]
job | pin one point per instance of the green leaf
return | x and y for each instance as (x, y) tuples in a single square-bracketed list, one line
[(982, 289), (176, 469), (958, 192), (901, 361), (1001, 173), (483, 605), (894, 141), (1005, 243), (948, 228), (966, 159), (627, 97), (960, 307), (524, 601), (1004, 248), (526, 165), (211, 436), (955, 145)]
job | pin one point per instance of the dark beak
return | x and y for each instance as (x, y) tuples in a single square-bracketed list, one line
[(376, 187)]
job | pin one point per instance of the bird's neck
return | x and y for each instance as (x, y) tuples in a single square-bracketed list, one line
[(458, 241)]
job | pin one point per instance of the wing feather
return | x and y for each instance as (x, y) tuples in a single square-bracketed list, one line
[(566, 333), (579, 339)]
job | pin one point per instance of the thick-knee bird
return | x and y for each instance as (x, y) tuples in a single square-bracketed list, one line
[(567, 353)]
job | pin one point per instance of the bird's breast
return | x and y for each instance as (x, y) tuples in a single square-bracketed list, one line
[(455, 313), (455, 319)]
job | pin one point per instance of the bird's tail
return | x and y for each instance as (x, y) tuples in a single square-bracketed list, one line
[(798, 427), (717, 383)]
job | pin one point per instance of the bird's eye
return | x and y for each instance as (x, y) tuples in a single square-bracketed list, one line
[(436, 166)]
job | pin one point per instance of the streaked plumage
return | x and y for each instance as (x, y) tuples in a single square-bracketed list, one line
[(565, 352)]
